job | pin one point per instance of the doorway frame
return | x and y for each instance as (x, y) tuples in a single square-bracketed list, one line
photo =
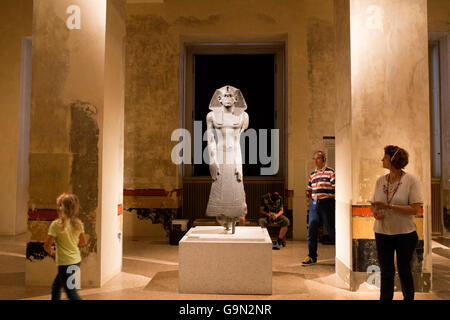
[(229, 44), (187, 87)]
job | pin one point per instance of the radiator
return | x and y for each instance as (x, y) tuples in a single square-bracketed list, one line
[(196, 195)]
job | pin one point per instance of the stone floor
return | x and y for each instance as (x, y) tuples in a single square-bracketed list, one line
[(150, 272)]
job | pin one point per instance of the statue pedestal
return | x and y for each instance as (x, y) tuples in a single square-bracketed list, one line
[(212, 260)]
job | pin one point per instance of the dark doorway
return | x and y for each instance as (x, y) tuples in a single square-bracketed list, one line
[(258, 70), (255, 76)]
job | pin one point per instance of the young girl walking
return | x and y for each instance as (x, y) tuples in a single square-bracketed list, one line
[(67, 232)]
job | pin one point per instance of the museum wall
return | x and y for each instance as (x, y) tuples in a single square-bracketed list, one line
[(439, 26), (155, 31), (152, 91), (152, 108), (438, 15), (16, 23)]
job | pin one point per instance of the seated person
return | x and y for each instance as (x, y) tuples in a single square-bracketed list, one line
[(272, 210)]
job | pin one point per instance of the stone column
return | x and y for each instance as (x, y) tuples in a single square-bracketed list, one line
[(14, 91), (76, 130), (383, 98)]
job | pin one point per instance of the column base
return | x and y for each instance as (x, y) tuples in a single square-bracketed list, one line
[(363, 281)]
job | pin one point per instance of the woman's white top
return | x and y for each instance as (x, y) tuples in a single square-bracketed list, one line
[(409, 192)]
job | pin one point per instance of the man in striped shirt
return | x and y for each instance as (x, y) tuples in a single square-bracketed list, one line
[(321, 192)]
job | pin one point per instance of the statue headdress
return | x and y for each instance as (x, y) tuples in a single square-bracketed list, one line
[(239, 106)]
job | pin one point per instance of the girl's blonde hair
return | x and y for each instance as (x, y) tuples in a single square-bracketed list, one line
[(68, 207)]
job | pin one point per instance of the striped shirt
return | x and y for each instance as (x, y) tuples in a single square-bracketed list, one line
[(322, 183)]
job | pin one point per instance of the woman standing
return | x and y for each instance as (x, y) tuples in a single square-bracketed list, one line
[(396, 200)]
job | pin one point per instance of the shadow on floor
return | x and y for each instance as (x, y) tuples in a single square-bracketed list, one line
[(283, 282)]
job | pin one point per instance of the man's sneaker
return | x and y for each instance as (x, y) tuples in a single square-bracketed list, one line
[(309, 260), (275, 245), (282, 241)]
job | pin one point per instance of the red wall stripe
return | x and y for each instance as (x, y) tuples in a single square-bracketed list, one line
[(150, 192), (42, 214), (164, 193)]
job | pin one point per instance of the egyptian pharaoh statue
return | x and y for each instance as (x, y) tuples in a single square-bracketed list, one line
[(228, 119)]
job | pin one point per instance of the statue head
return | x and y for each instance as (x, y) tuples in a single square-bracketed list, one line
[(228, 97)]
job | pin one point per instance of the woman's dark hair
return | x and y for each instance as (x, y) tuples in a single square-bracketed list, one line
[(399, 156)]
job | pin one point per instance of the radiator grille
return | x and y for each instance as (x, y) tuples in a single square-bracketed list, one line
[(196, 195)]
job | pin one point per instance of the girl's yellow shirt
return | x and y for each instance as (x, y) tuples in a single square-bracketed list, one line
[(67, 251)]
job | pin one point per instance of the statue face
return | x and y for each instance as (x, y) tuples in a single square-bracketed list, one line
[(227, 100)]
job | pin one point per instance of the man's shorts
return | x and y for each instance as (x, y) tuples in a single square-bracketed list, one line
[(282, 220)]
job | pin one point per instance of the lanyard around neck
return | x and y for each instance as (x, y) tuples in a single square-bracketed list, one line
[(395, 190)]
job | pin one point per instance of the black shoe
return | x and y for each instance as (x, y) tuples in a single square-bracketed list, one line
[(281, 242), (275, 245)]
